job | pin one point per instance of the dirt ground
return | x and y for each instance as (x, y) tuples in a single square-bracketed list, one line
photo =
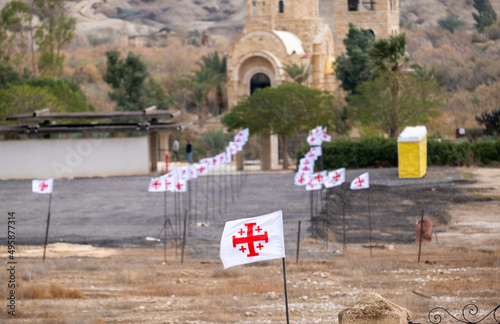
[(86, 284)]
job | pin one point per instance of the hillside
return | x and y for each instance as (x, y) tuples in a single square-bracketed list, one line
[(223, 17)]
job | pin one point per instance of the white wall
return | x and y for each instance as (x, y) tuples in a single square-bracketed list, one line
[(74, 158)]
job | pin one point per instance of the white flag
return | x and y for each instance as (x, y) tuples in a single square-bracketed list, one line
[(314, 140), (180, 185), (209, 161), (170, 180), (157, 185), (232, 148), (335, 178), (307, 169), (313, 185), (193, 171), (253, 239), (184, 173), (42, 186), (361, 182), (201, 168), (306, 161), (302, 178), (325, 137), (319, 177)]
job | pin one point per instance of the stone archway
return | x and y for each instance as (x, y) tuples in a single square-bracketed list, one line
[(259, 81)]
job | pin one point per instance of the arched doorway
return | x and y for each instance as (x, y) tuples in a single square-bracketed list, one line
[(259, 81)]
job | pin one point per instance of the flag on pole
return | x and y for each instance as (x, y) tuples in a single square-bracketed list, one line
[(252, 239), (361, 182), (324, 136), (42, 186), (335, 178), (201, 168), (302, 178), (313, 140), (193, 172), (313, 185), (157, 185), (208, 162), (180, 185)]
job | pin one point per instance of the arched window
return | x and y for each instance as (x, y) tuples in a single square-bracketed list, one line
[(259, 81), (254, 8), (281, 7)]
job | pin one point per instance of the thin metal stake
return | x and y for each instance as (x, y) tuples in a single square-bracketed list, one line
[(47, 229)]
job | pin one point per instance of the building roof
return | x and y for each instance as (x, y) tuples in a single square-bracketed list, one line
[(43, 122), (292, 42)]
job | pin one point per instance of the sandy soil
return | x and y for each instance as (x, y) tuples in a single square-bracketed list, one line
[(86, 284)]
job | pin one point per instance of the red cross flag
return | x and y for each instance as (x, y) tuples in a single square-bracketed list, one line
[(43, 186), (313, 185), (209, 162), (201, 168), (252, 239), (335, 178), (302, 178), (361, 182), (194, 172), (324, 136), (313, 140), (180, 185), (157, 185)]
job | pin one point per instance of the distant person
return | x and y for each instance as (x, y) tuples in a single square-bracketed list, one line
[(175, 150), (189, 152)]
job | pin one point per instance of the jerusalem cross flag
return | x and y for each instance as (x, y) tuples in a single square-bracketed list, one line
[(335, 178), (361, 182), (252, 239), (157, 185), (42, 186)]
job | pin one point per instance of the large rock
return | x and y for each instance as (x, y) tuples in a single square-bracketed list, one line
[(374, 309)]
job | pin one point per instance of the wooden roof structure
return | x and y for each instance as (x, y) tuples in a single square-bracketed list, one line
[(44, 122)]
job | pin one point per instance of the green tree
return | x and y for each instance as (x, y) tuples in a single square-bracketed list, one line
[(354, 66), (389, 54), (69, 95), (55, 31), (284, 110), (133, 88), (485, 16), (19, 99), (451, 23), (298, 73), (491, 120), (199, 84), (219, 67), (417, 99)]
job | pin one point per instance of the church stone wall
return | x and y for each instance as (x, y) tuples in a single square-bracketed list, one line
[(383, 20)]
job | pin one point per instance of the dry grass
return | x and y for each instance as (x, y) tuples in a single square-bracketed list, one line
[(135, 287)]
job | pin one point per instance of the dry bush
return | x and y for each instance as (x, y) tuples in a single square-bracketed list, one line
[(54, 290)]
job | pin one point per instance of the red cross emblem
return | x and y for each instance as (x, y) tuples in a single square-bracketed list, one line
[(156, 184), (336, 177), (318, 177), (201, 169), (306, 162), (306, 168), (301, 180), (179, 185), (250, 239), (167, 183), (312, 154), (42, 186), (359, 182), (311, 185), (215, 160)]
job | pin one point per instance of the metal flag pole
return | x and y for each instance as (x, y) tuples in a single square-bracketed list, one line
[(286, 293), (231, 179), (370, 223), (342, 196), (165, 228), (326, 217), (47, 229), (206, 196), (225, 185), (220, 191)]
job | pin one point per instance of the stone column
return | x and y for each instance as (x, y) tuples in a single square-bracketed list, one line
[(268, 151), (153, 151)]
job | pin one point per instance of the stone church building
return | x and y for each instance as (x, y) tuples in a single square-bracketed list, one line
[(283, 32)]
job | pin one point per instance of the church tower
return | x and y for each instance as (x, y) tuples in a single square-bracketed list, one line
[(381, 17), (279, 33)]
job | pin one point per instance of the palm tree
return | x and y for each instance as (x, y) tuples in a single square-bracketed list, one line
[(218, 65), (199, 84), (390, 54), (299, 73)]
